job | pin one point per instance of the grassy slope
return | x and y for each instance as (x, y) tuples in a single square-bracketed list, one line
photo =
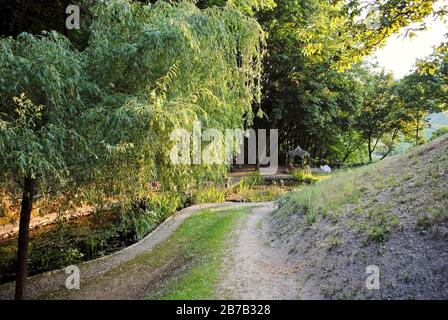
[(392, 214)]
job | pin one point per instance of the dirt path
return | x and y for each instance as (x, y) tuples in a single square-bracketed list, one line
[(255, 270), (52, 284), (252, 269)]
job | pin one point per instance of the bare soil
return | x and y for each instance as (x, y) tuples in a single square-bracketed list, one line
[(333, 255), (253, 268)]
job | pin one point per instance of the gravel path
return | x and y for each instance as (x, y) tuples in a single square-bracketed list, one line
[(254, 270)]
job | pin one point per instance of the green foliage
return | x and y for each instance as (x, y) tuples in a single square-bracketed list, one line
[(420, 94), (304, 175), (247, 6), (309, 86), (163, 204), (378, 230), (333, 242), (438, 133), (97, 235), (40, 108), (258, 193), (208, 195), (315, 104), (324, 199), (97, 123), (250, 180), (381, 117), (160, 64), (370, 24)]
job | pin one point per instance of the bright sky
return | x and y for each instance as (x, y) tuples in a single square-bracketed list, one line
[(400, 54)]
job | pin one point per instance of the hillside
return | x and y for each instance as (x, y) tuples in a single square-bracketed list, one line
[(392, 214)]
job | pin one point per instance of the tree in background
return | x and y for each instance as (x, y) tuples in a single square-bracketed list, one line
[(420, 94), (380, 116), (308, 86), (372, 22), (303, 94)]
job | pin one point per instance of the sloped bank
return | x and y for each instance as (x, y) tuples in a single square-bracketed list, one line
[(99, 232), (392, 214)]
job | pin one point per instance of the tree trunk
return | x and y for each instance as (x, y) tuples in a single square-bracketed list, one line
[(417, 133), (390, 149), (22, 252), (370, 150)]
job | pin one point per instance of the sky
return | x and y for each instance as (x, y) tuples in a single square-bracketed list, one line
[(400, 54)]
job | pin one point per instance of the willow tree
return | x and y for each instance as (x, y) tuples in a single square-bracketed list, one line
[(86, 126), (42, 92), (163, 67)]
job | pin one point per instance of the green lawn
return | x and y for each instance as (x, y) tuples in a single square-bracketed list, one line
[(200, 243)]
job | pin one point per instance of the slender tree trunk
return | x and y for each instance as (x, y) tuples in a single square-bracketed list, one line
[(349, 151), (22, 252), (417, 132), (372, 149), (390, 149)]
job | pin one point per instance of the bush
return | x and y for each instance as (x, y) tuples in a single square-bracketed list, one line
[(378, 234), (57, 248), (251, 180), (105, 231), (209, 195), (144, 216), (304, 175)]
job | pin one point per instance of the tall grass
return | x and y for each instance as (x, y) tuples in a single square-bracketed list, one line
[(324, 198), (251, 180), (209, 195)]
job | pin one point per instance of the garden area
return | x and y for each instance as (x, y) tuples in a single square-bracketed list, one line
[(117, 115), (71, 240)]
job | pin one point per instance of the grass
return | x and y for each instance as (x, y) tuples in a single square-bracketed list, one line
[(208, 195), (251, 180), (210, 231), (379, 198), (329, 199), (257, 193), (195, 252), (325, 197)]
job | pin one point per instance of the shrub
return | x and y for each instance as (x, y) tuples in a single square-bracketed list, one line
[(56, 249), (209, 195), (251, 180), (143, 217), (304, 175)]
